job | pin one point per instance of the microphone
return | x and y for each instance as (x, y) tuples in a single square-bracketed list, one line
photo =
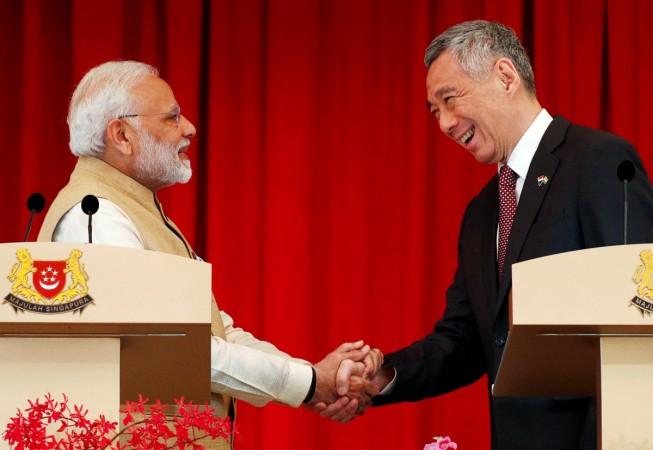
[(625, 173), (35, 204), (90, 205)]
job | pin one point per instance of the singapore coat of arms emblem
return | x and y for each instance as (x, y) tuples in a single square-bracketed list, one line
[(48, 287)]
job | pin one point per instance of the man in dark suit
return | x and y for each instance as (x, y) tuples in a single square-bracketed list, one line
[(557, 190)]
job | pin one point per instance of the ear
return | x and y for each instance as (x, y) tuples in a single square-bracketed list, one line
[(507, 75), (120, 137)]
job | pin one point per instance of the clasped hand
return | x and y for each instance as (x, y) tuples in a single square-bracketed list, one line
[(344, 387)]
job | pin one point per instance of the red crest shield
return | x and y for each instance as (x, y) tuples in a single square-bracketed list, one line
[(49, 278)]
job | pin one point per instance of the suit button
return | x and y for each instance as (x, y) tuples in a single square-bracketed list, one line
[(500, 341)]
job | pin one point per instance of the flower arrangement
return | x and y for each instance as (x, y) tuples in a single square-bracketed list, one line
[(49, 424), (441, 443)]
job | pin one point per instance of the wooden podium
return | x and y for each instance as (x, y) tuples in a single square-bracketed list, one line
[(582, 325), (142, 326)]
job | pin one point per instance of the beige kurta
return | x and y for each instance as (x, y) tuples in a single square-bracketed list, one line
[(94, 176)]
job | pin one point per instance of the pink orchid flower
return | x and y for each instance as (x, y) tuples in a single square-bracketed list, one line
[(441, 443)]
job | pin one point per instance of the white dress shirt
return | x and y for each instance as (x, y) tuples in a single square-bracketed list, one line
[(241, 365), (522, 155)]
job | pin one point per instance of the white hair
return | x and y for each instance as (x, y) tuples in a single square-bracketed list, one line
[(103, 94)]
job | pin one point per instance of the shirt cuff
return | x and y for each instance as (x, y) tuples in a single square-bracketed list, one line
[(297, 384), (387, 390)]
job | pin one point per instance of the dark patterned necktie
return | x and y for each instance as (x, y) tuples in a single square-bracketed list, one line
[(507, 207)]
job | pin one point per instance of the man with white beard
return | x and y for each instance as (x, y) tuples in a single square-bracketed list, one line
[(127, 129)]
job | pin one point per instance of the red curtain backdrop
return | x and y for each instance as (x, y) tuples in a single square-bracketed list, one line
[(324, 195)]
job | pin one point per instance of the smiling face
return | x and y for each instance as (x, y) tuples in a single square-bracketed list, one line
[(159, 164), (162, 136), (476, 114)]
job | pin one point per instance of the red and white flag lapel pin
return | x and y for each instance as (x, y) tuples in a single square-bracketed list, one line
[(542, 180)]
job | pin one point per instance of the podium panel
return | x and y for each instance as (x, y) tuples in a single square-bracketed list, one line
[(581, 324), (32, 367), (102, 324), (626, 396)]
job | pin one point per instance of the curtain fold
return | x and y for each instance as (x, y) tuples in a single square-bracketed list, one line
[(323, 193)]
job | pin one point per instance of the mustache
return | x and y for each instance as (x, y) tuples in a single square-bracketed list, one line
[(183, 145)]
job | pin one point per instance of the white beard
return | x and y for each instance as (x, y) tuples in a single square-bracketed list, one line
[(160, 161)]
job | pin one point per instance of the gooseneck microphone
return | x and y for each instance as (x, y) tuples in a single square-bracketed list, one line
[(35, 204), (625, 173), (90, 205)]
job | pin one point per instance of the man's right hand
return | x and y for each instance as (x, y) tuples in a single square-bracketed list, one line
[(357, 382), (335, 370)]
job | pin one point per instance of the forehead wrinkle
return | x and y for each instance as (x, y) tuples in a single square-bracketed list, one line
[(444, 90), (153, 93)]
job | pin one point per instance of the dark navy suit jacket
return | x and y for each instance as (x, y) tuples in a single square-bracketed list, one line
[(580, 207)]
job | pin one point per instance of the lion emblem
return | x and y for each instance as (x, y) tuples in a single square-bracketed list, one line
[(643, 276), (79, 278), (19, 277)]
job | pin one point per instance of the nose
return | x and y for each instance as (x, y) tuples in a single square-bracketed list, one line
[(447, 122), (187, 127)]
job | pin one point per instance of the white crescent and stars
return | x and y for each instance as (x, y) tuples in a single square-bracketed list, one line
[(53, 282)]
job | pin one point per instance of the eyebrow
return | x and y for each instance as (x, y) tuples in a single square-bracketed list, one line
[(444, 90)]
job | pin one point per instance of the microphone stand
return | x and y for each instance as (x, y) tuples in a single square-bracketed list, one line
[(625, 212), (90, 229), (29, 225), (625, 173)]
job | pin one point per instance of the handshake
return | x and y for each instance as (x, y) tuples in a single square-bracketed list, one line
[(346, 381)]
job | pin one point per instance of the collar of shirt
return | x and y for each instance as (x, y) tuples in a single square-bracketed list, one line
[(521, 157)]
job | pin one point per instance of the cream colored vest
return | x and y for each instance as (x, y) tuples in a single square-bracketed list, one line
[(94, 176)]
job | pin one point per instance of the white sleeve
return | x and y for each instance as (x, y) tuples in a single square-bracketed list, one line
[(111, 226), (259, 372), (257, 377), (239, 336), (242, 366)]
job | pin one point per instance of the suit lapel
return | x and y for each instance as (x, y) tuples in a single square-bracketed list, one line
[(544, 164)]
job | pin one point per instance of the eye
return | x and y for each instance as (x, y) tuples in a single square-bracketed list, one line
[(175, 117), (448, 98)]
